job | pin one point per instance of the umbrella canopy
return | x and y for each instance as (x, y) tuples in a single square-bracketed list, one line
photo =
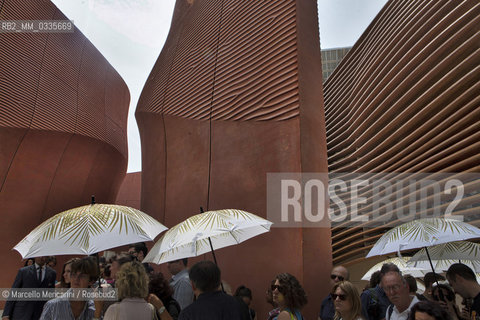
[(89, 229), (191, 237), (401, 263), (423, 233), (443, 265), (444, 255)]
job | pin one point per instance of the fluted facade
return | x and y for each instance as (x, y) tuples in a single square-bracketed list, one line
[(235, 95), (63, 120), (406, 99)]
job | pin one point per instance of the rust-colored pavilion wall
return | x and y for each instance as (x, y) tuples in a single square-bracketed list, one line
[(235, 94), (130, 190), (406, 99), (63, 120)]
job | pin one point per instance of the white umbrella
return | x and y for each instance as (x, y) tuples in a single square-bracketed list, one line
[(401, 263), (89, 229), (444, 255), (423, 233), (191, 237), (443, 265)]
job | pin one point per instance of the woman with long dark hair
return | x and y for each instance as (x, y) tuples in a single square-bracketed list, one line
[(66, 271), (158, 287)]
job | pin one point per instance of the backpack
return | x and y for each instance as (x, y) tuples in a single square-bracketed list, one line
[(389, 311), (373, 308)]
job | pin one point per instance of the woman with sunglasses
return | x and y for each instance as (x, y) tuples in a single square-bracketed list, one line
[(290, 297), (346, 301)]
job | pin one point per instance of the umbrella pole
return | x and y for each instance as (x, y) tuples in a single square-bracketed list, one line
[(431, 265), (97, 256), (213, 252), (98, 266)]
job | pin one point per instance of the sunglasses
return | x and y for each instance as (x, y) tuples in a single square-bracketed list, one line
[(280, 288), (342, 297), (334, 276)]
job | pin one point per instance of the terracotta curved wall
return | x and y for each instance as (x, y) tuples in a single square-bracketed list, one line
[(235, 94), (63, 119), (406, 99)]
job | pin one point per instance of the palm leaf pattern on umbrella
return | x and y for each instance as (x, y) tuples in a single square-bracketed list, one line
[(421, 233), (401, 263), (190, 237), (76, 226), (424, 229), (444, 255), (458, 250)]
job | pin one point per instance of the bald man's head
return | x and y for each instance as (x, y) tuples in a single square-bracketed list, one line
[(339, 273)]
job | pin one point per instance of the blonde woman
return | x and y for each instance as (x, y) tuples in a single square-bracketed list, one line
[(346, 301), (132, 285)]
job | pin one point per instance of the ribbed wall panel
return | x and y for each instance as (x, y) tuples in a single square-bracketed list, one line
[(234, 95), (18, 83), (91, 120), (56, 105), (113, 99), (34, 63), (63, 123), (92, 76), (249, 74), (114, 133), (64, 52), (259, 80), (406, 99), (189, 92)]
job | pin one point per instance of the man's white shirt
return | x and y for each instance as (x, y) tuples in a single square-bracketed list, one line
[(396, 315)]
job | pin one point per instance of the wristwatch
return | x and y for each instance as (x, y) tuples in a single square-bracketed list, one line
[(161, 309)]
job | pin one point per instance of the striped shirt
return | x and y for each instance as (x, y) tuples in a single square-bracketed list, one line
[(59, 309)]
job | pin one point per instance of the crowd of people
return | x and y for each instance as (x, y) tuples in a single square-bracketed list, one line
[(198, 293), (391, 295)]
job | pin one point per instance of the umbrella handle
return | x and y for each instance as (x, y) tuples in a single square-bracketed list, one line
[(431, 265), (210, 241), (213, 251)]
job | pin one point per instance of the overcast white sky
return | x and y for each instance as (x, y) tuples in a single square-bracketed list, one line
[(130, 34)]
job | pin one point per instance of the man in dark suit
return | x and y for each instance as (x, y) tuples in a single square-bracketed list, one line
[(211, 303), (38, 275)]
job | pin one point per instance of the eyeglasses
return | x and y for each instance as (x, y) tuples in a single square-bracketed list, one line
[(334, 276), (280, 288), (393, 288), (342, 297)]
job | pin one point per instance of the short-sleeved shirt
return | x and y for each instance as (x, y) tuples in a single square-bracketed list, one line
[(182, 288), (59, 308)]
